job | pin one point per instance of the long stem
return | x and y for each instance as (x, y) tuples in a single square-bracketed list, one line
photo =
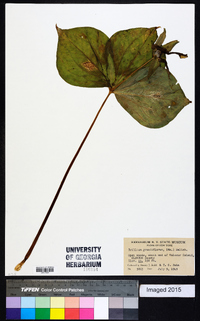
[(18, 266)]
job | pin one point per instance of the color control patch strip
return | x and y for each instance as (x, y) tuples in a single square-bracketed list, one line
[(84, 308), (72, 300)]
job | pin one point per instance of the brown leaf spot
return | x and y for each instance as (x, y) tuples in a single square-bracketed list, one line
[(173, 103), (156, 95), (89, 66), (82, 35)]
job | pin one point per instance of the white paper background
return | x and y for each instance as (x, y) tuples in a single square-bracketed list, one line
[(128, 181)]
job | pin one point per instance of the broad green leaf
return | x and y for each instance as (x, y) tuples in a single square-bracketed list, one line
[(153, 101), (129, 65), (129, 50), (81, 59)]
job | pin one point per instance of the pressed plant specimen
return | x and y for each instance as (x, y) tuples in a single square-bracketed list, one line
[(132, 64)]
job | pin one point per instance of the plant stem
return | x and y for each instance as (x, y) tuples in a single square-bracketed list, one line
[(18, 267)]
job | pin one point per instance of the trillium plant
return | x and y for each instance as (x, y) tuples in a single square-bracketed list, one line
[(132, 64)]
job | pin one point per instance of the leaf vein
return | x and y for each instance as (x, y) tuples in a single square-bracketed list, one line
[(87, 57), (136, 53)]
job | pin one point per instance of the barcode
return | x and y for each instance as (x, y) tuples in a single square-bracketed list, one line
[(45, 269)]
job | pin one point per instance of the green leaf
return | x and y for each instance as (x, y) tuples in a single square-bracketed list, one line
[(129, 65), (153, 101), (81, 59), (129, 50)]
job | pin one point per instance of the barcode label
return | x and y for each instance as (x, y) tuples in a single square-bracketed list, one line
[(45, 269)]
